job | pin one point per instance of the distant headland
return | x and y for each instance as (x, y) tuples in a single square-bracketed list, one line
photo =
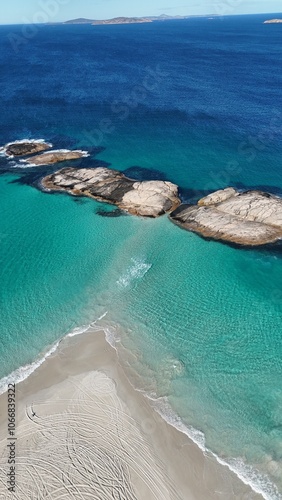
[(124, 20), (273, 21)]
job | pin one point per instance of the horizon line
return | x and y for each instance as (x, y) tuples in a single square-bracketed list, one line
[(140, 17)]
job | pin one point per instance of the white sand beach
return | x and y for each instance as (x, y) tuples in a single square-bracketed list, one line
[(83, 432)]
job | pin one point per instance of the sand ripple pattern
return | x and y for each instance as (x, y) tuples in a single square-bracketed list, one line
[(80, 442)]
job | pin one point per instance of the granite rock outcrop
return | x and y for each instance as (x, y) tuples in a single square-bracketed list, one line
[(250, 218), (144, 198)]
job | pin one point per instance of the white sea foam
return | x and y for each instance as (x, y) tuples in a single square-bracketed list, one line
[(78, 331), (84, 328), (24, 372), (162, 406), (248, 475), (136, 271), (29, 141), (84, 153), (257, 481), (19, 164), (112, 336), (110, 330)]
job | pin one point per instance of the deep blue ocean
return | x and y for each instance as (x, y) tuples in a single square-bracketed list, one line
[(197, 102)]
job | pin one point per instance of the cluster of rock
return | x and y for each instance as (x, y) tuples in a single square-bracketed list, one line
[(144, 198), (249, 218), (28, 148)]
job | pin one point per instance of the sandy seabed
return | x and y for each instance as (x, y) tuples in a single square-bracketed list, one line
[(83, 432)]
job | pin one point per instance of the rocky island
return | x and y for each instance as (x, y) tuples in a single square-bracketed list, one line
[(80, 20), (144, 198), (55, 156), (124, 20), (273, 21), (250, 218), (25, 147)]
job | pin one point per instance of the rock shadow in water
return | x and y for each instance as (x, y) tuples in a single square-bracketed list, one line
[(80, 200), (192, 196), (144, 174), (116, 212), (277, 191)]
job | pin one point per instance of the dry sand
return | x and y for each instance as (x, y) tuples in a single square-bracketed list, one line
[(83, 432)]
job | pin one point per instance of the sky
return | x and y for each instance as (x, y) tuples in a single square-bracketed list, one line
[(36, 11)]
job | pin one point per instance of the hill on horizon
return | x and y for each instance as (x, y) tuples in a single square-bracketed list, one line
[(123, 20)]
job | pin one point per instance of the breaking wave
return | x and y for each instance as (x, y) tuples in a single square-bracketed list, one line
[(136, 271)]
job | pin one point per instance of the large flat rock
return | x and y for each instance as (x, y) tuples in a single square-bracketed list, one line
[(55, 156), (249, 218), (146, 198)]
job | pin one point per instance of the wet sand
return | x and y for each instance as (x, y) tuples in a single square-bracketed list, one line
[(84, 432)]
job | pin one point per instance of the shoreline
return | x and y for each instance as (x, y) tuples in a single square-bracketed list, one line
[(175, 462)]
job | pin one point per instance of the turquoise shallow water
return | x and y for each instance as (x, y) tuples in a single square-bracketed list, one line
[(217, 340), (201, 320), (213, 351), (54, 252)]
